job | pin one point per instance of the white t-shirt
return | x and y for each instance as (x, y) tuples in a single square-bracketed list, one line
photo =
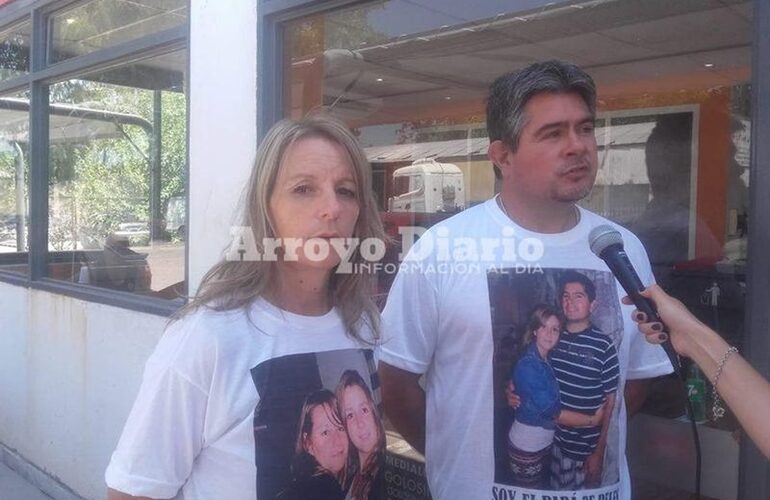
[(222, 393), (466, 285)]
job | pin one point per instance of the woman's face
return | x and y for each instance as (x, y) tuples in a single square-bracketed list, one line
[(547, 335), (360, 419), (315, 196), (327, 441)]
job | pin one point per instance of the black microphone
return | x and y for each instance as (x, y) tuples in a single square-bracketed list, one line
[(607, 243)]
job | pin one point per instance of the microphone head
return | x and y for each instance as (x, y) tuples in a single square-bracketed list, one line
[(602, 237)]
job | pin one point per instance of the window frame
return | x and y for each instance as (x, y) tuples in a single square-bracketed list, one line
[(40, 76), (694, 111), (754, 469)]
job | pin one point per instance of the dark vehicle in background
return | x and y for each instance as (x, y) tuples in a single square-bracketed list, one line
[(118, 267)]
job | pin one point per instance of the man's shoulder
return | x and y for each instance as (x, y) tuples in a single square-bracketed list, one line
[(470, 217), (597, 335), (475, 222)]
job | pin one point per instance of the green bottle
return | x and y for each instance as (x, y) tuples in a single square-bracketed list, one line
[(696, 392)]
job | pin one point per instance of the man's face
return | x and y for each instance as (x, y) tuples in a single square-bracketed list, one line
[(576, 305), (556, 159)]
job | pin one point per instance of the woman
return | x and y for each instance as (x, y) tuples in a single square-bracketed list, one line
[(531, 434), (366, 433), (320, 453), (192, 425), (744, 390)]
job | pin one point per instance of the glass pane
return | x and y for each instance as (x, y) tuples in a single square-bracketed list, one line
[(98, 24), (14, 50), (410, 78), (117, 189), (14, 176)]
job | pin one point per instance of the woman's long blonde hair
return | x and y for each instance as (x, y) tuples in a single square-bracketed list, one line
[(235, 284)]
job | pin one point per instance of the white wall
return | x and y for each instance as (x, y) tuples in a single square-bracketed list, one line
[(69, 369), (223, 118)]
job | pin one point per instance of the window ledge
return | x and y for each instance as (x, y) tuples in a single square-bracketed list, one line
[(124, 300)]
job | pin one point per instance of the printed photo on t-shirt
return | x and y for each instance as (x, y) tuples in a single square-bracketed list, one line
[(556, 375), (318, 429)]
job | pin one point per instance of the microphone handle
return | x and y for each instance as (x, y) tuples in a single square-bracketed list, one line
[(647, 307), (624, 272)]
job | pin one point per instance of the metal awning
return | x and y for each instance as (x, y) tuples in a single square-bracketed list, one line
[(67, 123), (438, 149)]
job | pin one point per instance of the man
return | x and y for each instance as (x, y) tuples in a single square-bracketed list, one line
[(585, 362), (437, 323)]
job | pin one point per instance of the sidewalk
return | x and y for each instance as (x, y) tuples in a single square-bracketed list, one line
[(14, 487)]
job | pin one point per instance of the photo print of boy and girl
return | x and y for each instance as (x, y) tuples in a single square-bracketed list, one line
[(317, 427), (556, 337)]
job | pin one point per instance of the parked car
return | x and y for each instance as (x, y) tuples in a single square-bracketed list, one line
[(138, 233)]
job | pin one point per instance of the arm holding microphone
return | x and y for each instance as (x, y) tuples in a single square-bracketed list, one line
[(744, 390)]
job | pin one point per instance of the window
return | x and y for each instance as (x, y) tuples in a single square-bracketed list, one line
[(14, 50), (93, 155), (400, 185), (110, 189), (410, 78), (648, 167), (14, 174), (98, 24)]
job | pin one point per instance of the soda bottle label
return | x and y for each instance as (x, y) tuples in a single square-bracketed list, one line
[(696, 392)]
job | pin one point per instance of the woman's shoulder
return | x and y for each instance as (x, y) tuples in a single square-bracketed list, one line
[(526, 361), (200, 336), (529, 363), (204, 326)]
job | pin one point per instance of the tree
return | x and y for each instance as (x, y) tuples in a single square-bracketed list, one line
[(100, 183)]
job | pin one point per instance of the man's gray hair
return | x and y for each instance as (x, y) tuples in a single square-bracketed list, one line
[(509, 94)]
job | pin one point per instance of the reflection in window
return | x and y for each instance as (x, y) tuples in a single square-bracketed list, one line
[(117, 170), (644, 179), (14, 174), (97, 24), (14, 50), (400, 185)]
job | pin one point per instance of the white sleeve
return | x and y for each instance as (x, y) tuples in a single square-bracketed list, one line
[(645, 360), (410, 321), (164, 431)]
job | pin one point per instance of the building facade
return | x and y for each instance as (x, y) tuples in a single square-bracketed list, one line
[(128, 128)]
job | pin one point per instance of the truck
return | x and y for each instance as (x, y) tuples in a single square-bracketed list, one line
[(423, 194), (427, 186)]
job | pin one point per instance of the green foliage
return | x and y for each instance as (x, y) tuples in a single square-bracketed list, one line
[(350, 28), (344, 29), (96, 185), (7, 183), (14, 52)]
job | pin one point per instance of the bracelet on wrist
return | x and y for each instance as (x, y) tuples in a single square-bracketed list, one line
[(718, 411)]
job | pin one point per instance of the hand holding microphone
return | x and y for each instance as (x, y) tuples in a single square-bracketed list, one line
[(607, 243), (684, 328), (731, 376)]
